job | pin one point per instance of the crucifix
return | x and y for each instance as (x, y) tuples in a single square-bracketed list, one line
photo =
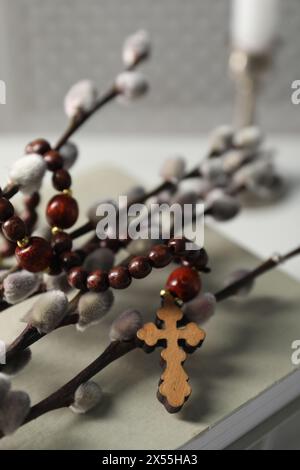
[(176, 341)]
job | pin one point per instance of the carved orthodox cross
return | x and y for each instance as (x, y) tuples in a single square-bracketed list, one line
[(173, 389)]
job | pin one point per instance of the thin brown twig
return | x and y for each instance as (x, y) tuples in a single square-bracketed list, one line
[(164, 186), (262, 268), (64, 396), (110, 95)]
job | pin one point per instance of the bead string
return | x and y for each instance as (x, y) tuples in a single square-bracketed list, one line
[(35, 253), (138, 267)]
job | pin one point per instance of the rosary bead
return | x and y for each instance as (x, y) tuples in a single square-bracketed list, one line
[(139, 267), (77, 278), (14, 229), (6, 209), (35, 256), (39, 146), (32, 201), (69, 259), (61, 179), (61, 242), (184, 283), (97, 281), (160, 256), (177, 246), (202, 260), (54, 268), (62, 211), (119, 277), (53, 160), (196, 258)]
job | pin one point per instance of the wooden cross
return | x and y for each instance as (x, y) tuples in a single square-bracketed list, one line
[(173, 389)]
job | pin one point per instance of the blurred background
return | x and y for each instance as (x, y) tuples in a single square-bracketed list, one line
[(46, 46)]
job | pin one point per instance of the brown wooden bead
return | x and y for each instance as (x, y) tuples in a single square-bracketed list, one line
[(6, 209), (61, 179), (39, 146), (53, 160), (202, 259), (14, 229), (184, 283), (62, 211), (69, 259), (196, 258), (61, 242), (97, 281), (54, 267), (177, 245), (77, 278), (160, 256), (36, 256), (119, 277), (139, 267), (32, 201)]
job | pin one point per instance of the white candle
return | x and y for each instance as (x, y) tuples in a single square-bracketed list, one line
[(254, 24)]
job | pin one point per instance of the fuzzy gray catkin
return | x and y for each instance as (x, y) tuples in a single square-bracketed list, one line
[(136, 47), (173, 169), (200, 309), (102, 258), (20, 285), (4, 386), (69, 154), (80, 98), (28, 173), (92, 306), (87, 396), (48, 311), (131, 85), (125, 327), (13, 410)]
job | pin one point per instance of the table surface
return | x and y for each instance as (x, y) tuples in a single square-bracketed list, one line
[(246, 351), (262, 230)]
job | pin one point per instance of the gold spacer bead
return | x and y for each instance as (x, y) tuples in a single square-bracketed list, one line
[(163, 293), (55, 230), (23, 243), (68, 192)]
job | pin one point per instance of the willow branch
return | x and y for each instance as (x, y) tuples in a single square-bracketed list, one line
[(261, 269), (11, 189), (64, 396), (164, 186), (110, 95)]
